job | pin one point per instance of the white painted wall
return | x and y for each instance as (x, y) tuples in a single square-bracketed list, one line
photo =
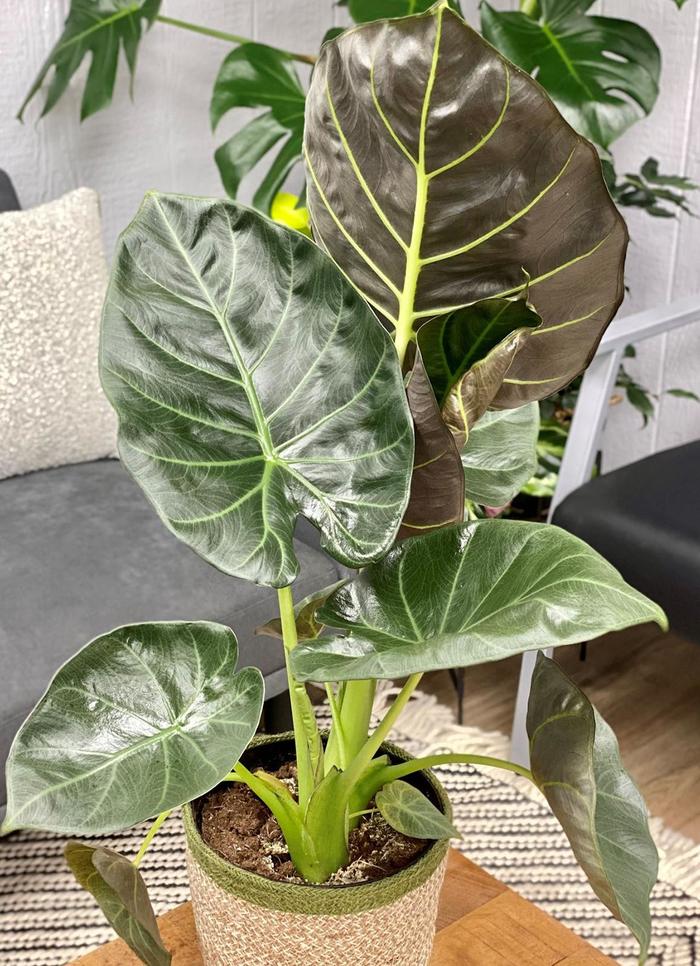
[(163, 141)]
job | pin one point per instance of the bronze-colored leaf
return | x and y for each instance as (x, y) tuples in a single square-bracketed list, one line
[(437, 484), (438, 173), (305, 614), (477, 389)]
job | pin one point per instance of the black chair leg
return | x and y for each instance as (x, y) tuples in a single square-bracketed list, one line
[(583, 651), (457, 675)]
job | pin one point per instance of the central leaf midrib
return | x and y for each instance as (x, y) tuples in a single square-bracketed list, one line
[(248, 385)]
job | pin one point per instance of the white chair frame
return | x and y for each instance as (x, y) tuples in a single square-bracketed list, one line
[(585, 440)]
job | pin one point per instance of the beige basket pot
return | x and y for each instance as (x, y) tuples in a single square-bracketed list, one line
[(244, 919)]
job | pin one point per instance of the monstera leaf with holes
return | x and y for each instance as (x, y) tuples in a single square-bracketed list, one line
[(252, 385), (468, 186), (602, 73), (255, 75), (141, 720), (101, 28), (466, 595), (575, 761)]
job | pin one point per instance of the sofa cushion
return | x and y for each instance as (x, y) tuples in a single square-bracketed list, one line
[(83, 552), (54, 276)]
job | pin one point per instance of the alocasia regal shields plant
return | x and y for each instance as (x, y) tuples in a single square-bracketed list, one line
[(467, 259)]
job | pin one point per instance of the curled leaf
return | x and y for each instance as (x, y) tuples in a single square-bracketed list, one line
[(122, 896)]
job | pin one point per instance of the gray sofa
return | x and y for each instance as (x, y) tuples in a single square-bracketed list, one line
[(81, 552)]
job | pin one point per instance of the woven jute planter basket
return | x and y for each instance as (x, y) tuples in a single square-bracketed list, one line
[(244, 919)]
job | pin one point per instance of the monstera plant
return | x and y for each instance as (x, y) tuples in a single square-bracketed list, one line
[(466, 260)]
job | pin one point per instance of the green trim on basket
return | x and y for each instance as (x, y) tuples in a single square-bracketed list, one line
[(318, 900)]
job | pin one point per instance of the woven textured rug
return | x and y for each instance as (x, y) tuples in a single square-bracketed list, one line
[(47, 920)]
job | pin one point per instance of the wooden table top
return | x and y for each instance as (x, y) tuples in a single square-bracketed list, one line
[(480, 922)]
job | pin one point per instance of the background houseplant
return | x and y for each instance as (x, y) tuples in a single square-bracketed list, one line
[(603, 72), (255, 382)]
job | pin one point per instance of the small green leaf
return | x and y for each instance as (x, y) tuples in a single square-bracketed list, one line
[(500, 454), (122, 896), (601, 72), (100, 28), (452, 344), (640, 399), (575, 761), (683, 394), (469, 594), (305, 613), (252, 385), (141, 720), (408, 810)]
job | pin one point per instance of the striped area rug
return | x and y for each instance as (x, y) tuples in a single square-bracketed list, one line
[(47, 920)]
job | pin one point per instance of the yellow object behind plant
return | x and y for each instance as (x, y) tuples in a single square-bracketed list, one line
[(285, 210)]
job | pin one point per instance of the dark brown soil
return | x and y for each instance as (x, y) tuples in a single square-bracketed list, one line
[(237, 825)]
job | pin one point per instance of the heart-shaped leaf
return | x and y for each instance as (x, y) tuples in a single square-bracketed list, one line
[(122, 896), (448, 177), (100, 28), (141, 720), (575, 761), (305, 613), (437, 484), (452, 344), (441, 601), (500, 455), (365, 11), (408, 810), (252, 385), (255, 75), (602, 73)]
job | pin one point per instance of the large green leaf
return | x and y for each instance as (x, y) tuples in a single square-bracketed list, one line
[(252, 385), (121, 893), (500, 455), (437, 484), (602, 73), (448, 177), (255, 75), (99, 28), (575, 760), (141, 720), (408, 810), (466, 595)]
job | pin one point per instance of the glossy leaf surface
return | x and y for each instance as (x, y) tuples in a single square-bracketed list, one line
[(602, 73), (452, 344), (448, 177), (575, 761), (252, 385), (467, 595), (101, 28), (141, 720), (122, 896), (410, 812), (500, 455), (255, 75), (437, 484)]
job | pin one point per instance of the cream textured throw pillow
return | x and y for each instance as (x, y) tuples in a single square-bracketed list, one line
[(53, 278)]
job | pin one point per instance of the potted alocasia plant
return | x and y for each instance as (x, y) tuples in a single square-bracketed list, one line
[(467, 259)]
